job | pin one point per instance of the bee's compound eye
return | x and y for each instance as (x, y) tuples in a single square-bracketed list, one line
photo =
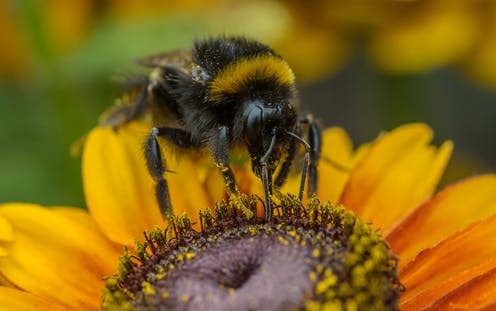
[(253, 123)]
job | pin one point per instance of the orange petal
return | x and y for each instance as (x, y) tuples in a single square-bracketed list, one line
[(118, 188), (464, 202), (400, 171), (452, 261), (56, 257), (488, 307), (427, 296), (479, 292), (13, 299)]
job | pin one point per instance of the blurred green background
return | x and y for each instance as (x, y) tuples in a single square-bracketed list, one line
[(364, 66)]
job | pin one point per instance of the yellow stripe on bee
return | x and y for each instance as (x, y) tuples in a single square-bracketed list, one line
[(234, 76)]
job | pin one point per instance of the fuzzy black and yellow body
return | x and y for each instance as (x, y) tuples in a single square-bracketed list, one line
[(225, 92)]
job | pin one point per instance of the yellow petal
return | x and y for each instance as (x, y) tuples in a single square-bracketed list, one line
[(400, 170), (479, 292), (118, 188), (13, 299), (450, 210), (469, 251), (336, 163), (5, 282), (6, 235), (247, 181), (6, 231), (76, 214), (56, 257), (84, 218), (188, 194), (336, 148), (214, 185)]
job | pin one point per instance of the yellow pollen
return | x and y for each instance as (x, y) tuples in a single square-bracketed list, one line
[(313, 305), (283, 241), (324, 285), (252, 231), (332, 306), (319, 268), (312, 276), (189, 255), (147, 288), (184, 298)]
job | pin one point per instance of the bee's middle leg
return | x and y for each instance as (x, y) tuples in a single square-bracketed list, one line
[(156, 163)]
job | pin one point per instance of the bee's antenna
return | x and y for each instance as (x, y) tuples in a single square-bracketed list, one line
[(265, 179), (305, 162)]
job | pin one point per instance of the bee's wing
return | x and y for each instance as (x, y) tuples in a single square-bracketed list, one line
[(178, 58)]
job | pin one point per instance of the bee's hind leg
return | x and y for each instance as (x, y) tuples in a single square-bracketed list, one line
[(156, 163), (121, 114), (315, 141)]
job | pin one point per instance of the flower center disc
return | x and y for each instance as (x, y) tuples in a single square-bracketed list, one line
[(244, 274), (306, 258)]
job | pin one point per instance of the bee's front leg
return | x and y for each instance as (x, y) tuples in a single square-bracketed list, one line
[(219, 146), (122, 114)]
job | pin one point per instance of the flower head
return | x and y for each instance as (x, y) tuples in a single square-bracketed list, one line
[(56, 259), (315, 257)]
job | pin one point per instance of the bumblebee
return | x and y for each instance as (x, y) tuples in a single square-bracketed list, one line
[(225, 92)]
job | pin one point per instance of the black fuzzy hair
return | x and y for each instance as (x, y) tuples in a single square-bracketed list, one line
[(213, 54)]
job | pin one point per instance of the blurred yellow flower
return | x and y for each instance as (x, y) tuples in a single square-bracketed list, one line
[(316, 39), (400, 36), (56, 259)]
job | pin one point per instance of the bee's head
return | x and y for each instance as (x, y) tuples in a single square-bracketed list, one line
[(262, 122)]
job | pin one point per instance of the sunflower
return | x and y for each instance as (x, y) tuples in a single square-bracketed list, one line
[(60, 258)]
